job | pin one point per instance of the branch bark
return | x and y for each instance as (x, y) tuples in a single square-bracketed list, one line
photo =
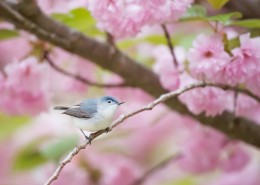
[(249, 8), (46, 56), (121, 119), (27, 16)]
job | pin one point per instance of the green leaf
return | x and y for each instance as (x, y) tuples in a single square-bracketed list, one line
[(217, 4), (9, 124), (29, 157), (180, 39), (156, 39), (8, 34), (56, 149), (248, 23), (183, 181), (195, 11), (79, 19), (225, 18), (127, 43), (229, 45)]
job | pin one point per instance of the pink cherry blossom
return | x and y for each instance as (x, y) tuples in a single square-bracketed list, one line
[(149, 138), (73, 174), (243, 66), (253, 83), (7, 51), (25, 89), (165, 68), (210, 99), (200, 153), (247, 55), (234, 157), (207, 57), (61, 83), (248, 175), (248, 107), (126, 18), (114, 168)]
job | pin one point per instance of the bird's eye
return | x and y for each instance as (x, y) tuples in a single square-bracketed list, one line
[(109, 101)]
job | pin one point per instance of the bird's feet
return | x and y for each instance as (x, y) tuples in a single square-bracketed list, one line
[(95, 134), (90, 138)]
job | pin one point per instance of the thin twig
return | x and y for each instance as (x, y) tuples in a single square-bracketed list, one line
[(46, 56), (169, 43), (157, 167), (123, 117), (235, 89), (45, 28)]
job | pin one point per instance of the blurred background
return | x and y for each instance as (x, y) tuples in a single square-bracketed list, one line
[(159, 146)]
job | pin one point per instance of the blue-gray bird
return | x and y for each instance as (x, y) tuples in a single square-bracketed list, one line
[(92, 114)]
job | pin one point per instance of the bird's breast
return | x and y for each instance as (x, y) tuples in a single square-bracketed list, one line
[(108, 113), (92, 124), (100, 120)]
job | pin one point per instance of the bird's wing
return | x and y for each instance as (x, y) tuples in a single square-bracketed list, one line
[(77, 112), (61, 108), (89, 106)]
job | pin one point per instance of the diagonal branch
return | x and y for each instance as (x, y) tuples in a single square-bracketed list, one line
[(28, 16), (157, 167), (122, 118), (46, 56), (169, 43), (75, 42)]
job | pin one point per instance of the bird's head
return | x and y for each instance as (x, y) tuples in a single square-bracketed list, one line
[(108, 105)]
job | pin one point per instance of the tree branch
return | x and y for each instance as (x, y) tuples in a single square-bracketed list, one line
[(157, 167), (46, 56), (249, 9), (28, 16), (122, 118), (169, 43), (99, 53)]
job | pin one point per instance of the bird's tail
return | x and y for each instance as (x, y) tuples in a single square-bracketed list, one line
[(61, 108)]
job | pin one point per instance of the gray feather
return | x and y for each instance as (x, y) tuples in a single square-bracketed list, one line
[(78, 113), (85, 109), (89, 106), (61, 108)]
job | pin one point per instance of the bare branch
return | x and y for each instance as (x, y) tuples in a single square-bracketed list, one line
[(122, 118), (235, 89), (157, 167), (46, 56), (29, 17), (169, 43)]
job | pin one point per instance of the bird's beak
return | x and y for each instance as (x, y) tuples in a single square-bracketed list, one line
[(121, 103)]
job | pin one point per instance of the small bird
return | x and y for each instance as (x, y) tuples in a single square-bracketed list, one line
[(92, 114)]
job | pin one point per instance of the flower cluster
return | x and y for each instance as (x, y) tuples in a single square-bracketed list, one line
[(209, 61), (30, 86), (126, 18), (24, 89)]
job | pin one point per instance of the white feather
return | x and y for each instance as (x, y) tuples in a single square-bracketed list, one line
[(100, 121)]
